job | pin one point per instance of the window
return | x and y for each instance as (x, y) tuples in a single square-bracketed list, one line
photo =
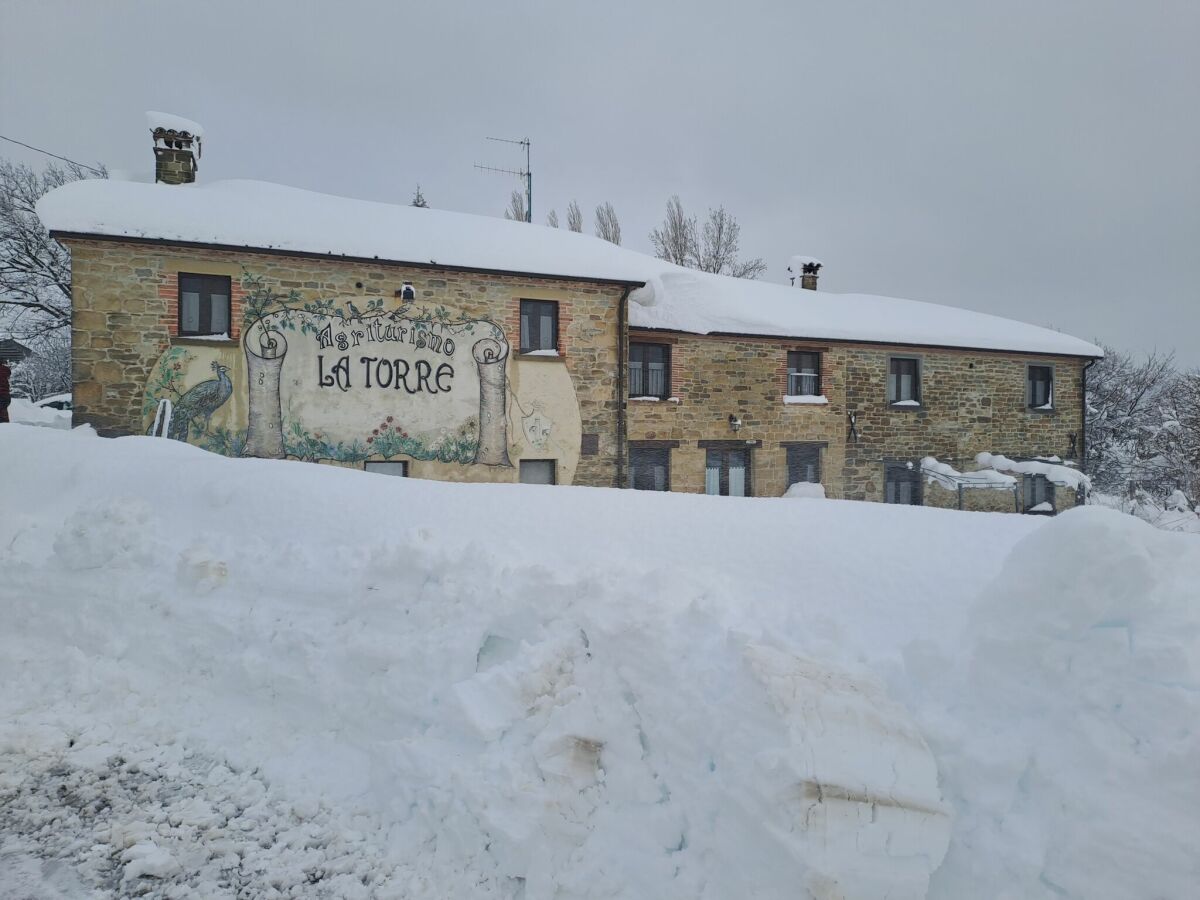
[(538, 471), (902, 484), (804, 463), (1038, 494), (390, 467), (1039, 391), (650, 468), (539, 326), (904, 381), (650, 370), (804, 374), (203, 304), (727, 472)]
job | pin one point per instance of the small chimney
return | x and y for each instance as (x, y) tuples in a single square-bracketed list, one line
[(806, 269), (174, 159)]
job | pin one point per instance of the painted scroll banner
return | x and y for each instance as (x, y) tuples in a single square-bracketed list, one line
[(490, 356), (377, 385), (264, 432)]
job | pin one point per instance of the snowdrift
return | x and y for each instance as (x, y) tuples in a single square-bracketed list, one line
[(279, 679)]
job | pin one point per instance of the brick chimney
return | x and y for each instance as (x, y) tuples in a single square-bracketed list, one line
[(806, 269), (174, 157)]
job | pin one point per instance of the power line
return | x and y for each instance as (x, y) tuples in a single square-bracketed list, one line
[(48, 153)]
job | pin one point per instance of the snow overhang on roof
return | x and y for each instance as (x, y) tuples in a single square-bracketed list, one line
[(262, 216)]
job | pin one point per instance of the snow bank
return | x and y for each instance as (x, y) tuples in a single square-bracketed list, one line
[(23, 412), (257, 214), (1067, 728), (403, 688)]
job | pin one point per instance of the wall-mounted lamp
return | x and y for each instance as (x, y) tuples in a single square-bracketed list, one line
[(407, 292), (735, 424)]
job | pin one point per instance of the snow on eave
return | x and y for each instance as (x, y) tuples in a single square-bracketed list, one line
[(272, 218)]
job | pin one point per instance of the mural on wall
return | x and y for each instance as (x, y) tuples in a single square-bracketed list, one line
[(326, 380)]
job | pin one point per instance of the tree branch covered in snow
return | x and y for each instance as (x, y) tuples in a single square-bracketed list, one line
[(35, 270), (1143, 426), (47, 371)]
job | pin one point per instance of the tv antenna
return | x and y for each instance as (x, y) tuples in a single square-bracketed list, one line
[(525, 173)]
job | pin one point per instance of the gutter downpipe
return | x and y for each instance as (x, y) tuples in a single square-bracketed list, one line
[(1083, 408), (622, 338)]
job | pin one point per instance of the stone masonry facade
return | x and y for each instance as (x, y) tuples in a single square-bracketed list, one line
[(971, 402), (126, 316)]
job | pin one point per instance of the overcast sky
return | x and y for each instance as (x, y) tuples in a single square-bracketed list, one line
[(1038, 159)]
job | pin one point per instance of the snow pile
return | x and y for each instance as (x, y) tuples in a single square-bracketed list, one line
[(228, 676), (1067, 731), (938, 472), (258, 214), (1051, 468), (24, 412), (805, 490)]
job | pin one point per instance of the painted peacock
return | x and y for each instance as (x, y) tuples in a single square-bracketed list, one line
[(200, 402)]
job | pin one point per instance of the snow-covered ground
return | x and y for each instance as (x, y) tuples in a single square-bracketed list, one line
[(253, 678)]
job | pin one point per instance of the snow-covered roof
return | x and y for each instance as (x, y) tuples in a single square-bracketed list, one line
[(273, 217), (171, 122)]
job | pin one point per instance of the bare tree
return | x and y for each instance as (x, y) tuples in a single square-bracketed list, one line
[(1178, 440), (719, 247), (35, 270), (607, 226), (47, 371), (516, 207), (713, 248), (675, 240), (574, 217), (552, 218)]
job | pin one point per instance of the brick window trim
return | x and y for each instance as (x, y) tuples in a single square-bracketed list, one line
[(781, 368), (168, 291), (512, 327)]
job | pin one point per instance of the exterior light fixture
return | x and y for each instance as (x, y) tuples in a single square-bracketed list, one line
[(735, 424)]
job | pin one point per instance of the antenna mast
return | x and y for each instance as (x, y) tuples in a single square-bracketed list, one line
[(525, 173)]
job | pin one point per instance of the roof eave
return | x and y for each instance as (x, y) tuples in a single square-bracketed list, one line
[(872, 342), (61, 235)]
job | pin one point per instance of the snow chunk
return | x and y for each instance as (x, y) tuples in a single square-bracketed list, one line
[(805, 490), (1064, 476)]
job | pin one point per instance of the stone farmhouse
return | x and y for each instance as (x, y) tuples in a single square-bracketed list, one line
[(258, 320)]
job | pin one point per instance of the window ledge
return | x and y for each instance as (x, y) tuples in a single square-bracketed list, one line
[(906, 406), (651, 399), (203, 340), (542, 355), (1041, 410), (806, 400)]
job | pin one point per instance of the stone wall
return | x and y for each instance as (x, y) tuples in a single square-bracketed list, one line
[(714, 378), (125, 317), (972, 401)]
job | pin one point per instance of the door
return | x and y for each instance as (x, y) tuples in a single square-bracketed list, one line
[(727, 472)]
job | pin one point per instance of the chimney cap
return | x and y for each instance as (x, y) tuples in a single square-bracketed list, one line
[(804, 265), (168, 123)]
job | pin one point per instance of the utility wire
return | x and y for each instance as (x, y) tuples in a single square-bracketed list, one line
[(48, 153)]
